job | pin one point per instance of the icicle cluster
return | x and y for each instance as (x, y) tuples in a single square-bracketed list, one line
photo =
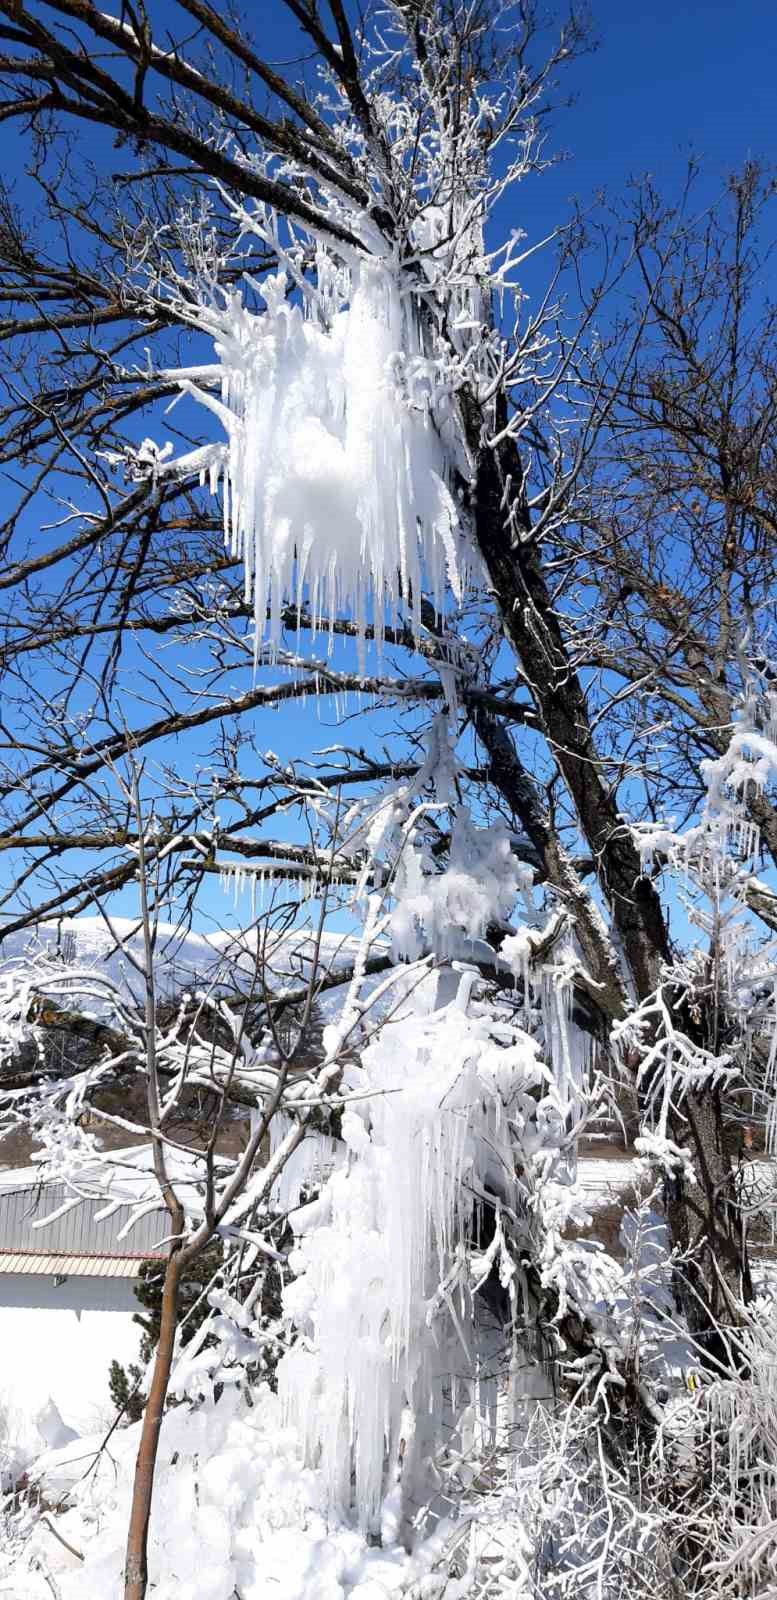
[(335, 478), (746, 768), (718, 858), (307, 1167), (381, 1299), (266, 881), (743, 1439)]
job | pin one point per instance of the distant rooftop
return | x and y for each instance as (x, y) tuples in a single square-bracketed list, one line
[(64, 1266), (84, 1233)]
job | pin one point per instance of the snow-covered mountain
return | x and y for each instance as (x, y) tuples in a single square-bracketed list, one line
[(183, 957)]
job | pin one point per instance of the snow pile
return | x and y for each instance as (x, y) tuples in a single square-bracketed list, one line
[(25, 1431), (234, 1512), (382, 1299), (334, 477)]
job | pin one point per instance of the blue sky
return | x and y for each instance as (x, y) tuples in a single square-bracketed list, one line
[(664, 81), (662, 84), (668, 80)]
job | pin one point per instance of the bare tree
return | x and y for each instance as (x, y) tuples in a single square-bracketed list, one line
[(675, 518), (615, 492)]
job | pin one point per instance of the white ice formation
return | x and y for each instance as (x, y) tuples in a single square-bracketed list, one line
[(335, 475), (383, 1296)]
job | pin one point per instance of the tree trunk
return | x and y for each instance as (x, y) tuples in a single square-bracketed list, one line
[(705, 1223), (518, 789), (136, 1566), (702, 1218), (534, 631)]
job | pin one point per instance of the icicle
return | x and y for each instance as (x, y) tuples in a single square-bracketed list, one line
[(380, 1259), (307, 1168), (334, 480)]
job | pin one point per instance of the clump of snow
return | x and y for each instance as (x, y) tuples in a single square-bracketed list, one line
[(52, 1429), (448, 911), (516, 952)]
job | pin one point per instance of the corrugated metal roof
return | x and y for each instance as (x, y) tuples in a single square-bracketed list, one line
[(70, 1266), (79, 1231)]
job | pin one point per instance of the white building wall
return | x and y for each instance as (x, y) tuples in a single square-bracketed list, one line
[(57, 1343)]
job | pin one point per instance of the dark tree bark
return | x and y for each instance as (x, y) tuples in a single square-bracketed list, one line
[(702, 1218)]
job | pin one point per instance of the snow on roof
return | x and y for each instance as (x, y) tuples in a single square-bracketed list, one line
[(126, 1174), (601, 1176), (604, 1178)]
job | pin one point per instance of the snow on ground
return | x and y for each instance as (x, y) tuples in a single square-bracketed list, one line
[(58, 1340), (60, 1330), (234, 1512)]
